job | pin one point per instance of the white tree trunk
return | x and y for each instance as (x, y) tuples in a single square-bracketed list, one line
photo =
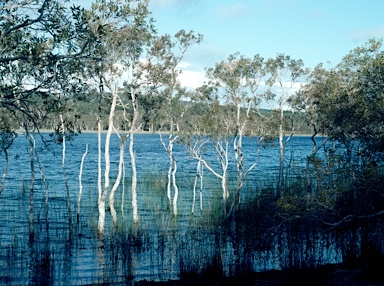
[(66, 178), (201, 186), (195, 185), (134, 181), (99, 183), (117, 182), (223, 158), (102, 198), (175, 188), (171, 175), (80, 182), (132, 131), (123, 194)]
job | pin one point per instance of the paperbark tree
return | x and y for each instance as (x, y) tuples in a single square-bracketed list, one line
[(41, 42), (162, 70), (123, 29), (195, 141), (285, 73), (237, 81)]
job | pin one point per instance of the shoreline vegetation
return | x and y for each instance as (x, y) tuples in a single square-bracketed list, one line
[(21, 131)]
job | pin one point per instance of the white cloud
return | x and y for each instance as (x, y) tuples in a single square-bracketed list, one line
[(365, 34), (168, 3), (163, 3), (192, 79), (233, 11), (184, 65)]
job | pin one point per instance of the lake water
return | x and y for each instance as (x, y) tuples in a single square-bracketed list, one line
[(159, 248)]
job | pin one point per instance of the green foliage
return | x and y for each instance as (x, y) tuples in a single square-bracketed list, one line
[(346, 102), (40, 44)]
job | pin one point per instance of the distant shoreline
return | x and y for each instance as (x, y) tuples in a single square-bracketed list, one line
[(21, 131)]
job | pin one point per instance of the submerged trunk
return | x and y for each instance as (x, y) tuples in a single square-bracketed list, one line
[(198, 175), (171, 175), (80, 182), (31, 141), (66, 178), (201, 186), (169, 178), (99, 184), (223, 158), (132, 131), (134, 180), (175, 188), (123, 194), (7, 142), (280, 186), (117, 182), (104, 193)]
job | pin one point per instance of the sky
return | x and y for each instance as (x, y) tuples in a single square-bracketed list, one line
[(312, 30)]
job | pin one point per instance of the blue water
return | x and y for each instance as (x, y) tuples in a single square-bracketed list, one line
[(81, 259)]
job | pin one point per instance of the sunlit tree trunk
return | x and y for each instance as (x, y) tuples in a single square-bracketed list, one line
[(282, 144), (134, 180), (80, 182), (117, 181), (285, 72), (175, 187), (99, 183), (65, 177), (242, 175), (123, 194), (103, 196), (222, 152), (195, 185), (171, 175)]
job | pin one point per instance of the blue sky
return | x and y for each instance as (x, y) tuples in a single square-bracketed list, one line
[(312, 30)]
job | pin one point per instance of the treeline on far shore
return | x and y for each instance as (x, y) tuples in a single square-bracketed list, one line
[(83, 115)]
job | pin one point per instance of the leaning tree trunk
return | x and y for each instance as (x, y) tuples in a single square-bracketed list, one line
[(175, 187), (104, 193), (223, 157), (117, 182), (171, 171), (80, 182)]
